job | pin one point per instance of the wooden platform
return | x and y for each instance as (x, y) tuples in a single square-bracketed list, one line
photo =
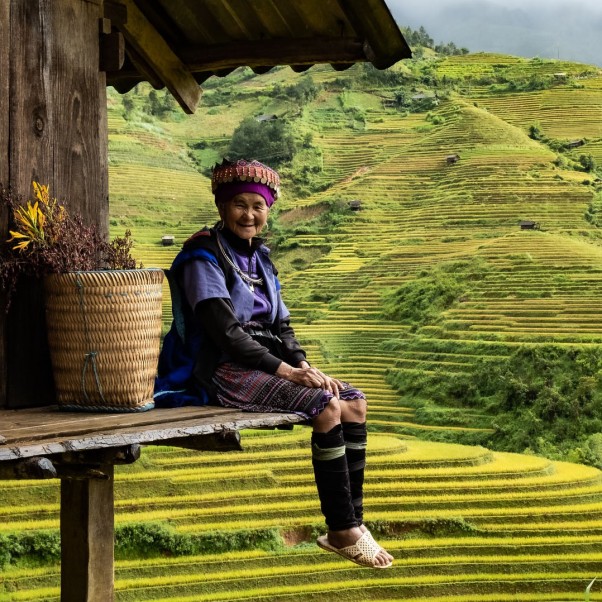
[(45, 431), (81, 450)]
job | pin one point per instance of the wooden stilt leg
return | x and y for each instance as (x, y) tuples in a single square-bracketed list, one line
[(87, 527)]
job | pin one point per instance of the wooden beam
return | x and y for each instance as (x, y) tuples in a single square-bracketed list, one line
[(272, 52), (372, 20), (143, 68), (222, 59), (30, 468), (127, 454), (87, 528), (155, 51), (224, 441)]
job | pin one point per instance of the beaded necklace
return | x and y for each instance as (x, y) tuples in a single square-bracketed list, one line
[(248, 279)]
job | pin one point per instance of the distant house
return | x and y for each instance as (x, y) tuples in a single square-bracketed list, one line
[(560, 75), (529, 225), (266, 117), (167, 240), (451, 159), (355, 205), (389, 102), (576, 143)]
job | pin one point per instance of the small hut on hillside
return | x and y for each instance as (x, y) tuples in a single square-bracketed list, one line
[(529, 225), (266, 117), (56, 59)]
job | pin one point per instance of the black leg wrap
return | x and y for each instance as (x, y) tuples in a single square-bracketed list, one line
[(332, 479), (355, 435)]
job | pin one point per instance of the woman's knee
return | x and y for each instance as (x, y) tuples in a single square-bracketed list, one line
[(333, 409), (330, 416), (354, 410)]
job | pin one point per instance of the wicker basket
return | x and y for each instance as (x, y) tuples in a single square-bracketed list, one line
[(104, 331)]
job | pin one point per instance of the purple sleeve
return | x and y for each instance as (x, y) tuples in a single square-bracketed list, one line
[(203, 280)]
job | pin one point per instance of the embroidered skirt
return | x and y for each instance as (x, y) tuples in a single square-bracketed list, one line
[(257, 391)]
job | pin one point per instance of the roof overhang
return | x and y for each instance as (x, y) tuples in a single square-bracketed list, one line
[(178, 44)]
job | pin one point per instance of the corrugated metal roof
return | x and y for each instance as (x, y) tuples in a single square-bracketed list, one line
[(213, 37)]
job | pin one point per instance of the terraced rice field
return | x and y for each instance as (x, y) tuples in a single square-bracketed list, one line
[(520, 521)]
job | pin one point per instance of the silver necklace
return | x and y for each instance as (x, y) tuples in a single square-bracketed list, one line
[(248, 279)]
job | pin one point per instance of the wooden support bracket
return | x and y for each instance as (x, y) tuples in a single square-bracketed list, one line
[(112, 47), (161, 59), (29, 468), (126, 454), (222, 441)]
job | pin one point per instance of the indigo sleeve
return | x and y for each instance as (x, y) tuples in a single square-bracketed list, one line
[(294, 354), (216, 317)]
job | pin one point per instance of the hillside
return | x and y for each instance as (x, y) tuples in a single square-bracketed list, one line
[(427, 298)]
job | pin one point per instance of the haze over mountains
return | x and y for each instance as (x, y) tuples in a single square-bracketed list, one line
[(565, 29)]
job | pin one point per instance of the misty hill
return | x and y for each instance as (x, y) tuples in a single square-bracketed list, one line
[(565, 30)]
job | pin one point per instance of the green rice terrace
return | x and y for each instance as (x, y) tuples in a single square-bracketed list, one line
[(477, 342)]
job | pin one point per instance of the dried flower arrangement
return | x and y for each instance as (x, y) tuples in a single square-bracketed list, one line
[(46, 239)]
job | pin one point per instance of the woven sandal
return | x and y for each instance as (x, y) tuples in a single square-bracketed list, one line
[(362, 552)]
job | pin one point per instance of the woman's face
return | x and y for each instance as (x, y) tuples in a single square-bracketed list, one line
[(245, 214)]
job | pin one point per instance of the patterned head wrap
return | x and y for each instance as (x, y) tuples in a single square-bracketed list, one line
[(229, 179)]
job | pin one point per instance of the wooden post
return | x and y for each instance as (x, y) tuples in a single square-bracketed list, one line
[(87, 527), (4, 174), (53, 128)]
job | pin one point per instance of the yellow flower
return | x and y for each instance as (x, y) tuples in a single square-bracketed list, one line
[(23, 244), (31, 220), (42, 192)]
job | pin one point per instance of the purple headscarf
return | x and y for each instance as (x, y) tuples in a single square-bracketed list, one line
[(224, 192)]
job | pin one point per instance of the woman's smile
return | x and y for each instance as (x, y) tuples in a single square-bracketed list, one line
[(245, 215)]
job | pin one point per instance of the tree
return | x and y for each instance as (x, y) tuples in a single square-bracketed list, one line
[(128, 106), (587, 162), (269, 141), (153, 104), (303, 91)]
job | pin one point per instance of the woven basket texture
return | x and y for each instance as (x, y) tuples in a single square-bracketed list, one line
[(104, 330)]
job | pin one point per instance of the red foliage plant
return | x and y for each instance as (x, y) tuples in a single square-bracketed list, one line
[(46, 239)]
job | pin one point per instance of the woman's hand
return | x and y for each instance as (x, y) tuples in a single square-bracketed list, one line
[(309, 377)]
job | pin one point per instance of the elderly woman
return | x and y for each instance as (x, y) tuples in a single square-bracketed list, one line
[(231, 343)]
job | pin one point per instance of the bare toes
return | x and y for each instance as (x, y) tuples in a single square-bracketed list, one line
[(383, 558)]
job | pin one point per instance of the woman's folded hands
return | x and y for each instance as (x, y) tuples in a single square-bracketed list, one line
[(309, 376)]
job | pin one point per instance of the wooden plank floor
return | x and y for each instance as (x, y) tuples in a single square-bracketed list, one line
[(42, 431)]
